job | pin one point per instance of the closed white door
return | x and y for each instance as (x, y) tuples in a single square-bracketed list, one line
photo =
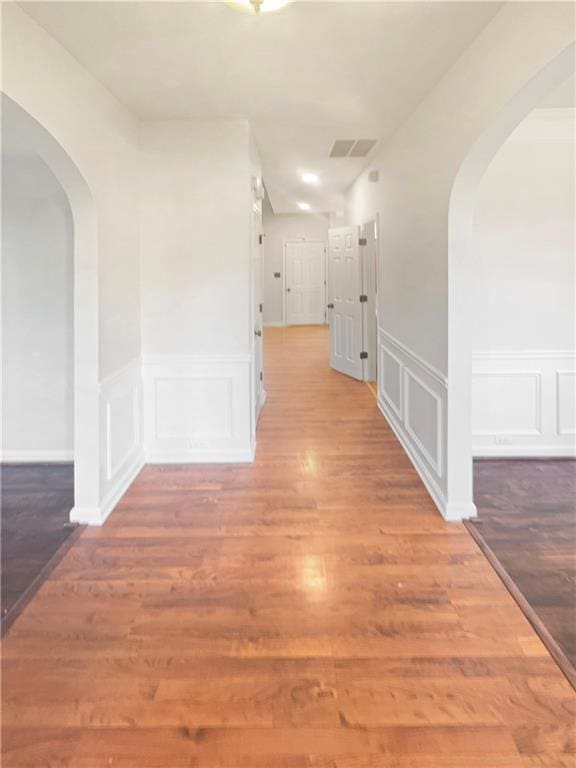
[(305, 282), (345, 306)]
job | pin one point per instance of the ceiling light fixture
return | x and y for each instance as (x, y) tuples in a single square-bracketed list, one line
[(304, 206), (310, 178), (258, 6)]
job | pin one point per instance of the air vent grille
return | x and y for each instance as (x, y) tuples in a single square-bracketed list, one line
[(342, 147), (352, 147)]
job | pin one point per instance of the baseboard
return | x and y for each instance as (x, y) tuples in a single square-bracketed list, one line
[(201, 457), (430, 484), (275, 324), (261, 403), (98, 515), (524, 452), (26, 456)]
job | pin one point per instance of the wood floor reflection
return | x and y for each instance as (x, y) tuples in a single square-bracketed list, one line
[(310, 610)]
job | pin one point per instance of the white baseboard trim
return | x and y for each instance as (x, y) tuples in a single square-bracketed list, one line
[(430, 484), (201, 457), (29, 456), (455, 512), (261, 403), (526, 452), (98, 515), (275, 324)]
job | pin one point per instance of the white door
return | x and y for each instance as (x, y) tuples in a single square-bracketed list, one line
[(369, 253), (305, 282), (345, 307)]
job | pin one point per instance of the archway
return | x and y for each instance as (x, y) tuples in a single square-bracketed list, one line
[(86, 369), (460, 228)]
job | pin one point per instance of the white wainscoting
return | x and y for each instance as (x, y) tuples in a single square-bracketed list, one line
[(197, 408), (121, 442), (412, 395), (523, 403)]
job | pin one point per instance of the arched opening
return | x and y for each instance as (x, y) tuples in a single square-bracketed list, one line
[(40, 143), (460, 274)]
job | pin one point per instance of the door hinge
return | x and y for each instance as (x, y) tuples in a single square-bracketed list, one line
[(330, 306), (260, 239), (363, 298), (260, 375), (362, 241), (363, 355), (261, 306)]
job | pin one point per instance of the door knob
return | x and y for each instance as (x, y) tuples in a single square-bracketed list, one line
[(258, 333)]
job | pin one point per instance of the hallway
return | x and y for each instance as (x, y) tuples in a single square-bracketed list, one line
[(309, 610)]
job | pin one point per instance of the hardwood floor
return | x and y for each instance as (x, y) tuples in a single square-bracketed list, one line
[(311, 610), (36, 503), (527, 516)]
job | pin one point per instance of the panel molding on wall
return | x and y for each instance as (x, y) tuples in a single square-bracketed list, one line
[(523, 403), (196, 408), (412, 395), (122, 445)]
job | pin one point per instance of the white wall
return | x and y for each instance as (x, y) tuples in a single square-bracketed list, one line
[(37, 314), (524, 286), (277, 229), (100, 139), (418, 167), (195, 193)]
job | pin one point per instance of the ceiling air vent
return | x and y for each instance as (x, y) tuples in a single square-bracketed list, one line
[(352, 147), (362, 147), (342, 147)]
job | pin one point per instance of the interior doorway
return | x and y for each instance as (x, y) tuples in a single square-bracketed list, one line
[(305, 282), (352, 300)]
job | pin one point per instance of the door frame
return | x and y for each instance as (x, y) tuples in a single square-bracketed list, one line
[(303, 240), (365, 222)]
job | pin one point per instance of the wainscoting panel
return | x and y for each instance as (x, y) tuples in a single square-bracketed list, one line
[(523, 403), (412, 395), (122, 449), (197, 409)]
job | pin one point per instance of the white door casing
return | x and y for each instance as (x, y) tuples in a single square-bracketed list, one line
[(345, 308), (304, 267)]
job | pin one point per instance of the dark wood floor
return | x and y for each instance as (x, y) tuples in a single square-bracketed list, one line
[(36, 502), (310, 610), (527, 516)]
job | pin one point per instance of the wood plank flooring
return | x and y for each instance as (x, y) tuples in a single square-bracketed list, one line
[(311, 610), (527, 516), (36, 504)]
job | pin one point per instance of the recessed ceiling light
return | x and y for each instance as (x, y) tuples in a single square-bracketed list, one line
[(304, 206), (310, 178)]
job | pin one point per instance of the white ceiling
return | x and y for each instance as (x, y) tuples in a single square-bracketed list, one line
[(305, 76)]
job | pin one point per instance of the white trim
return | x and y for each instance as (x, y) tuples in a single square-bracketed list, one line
[(97, 516), (112, 378), (436, 464), (537, 376), (398, 409), (201, 457), (524, 451), (528, 354), (165, 360), (430, 369), (559, 430), (32, 456), (274, 324)]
